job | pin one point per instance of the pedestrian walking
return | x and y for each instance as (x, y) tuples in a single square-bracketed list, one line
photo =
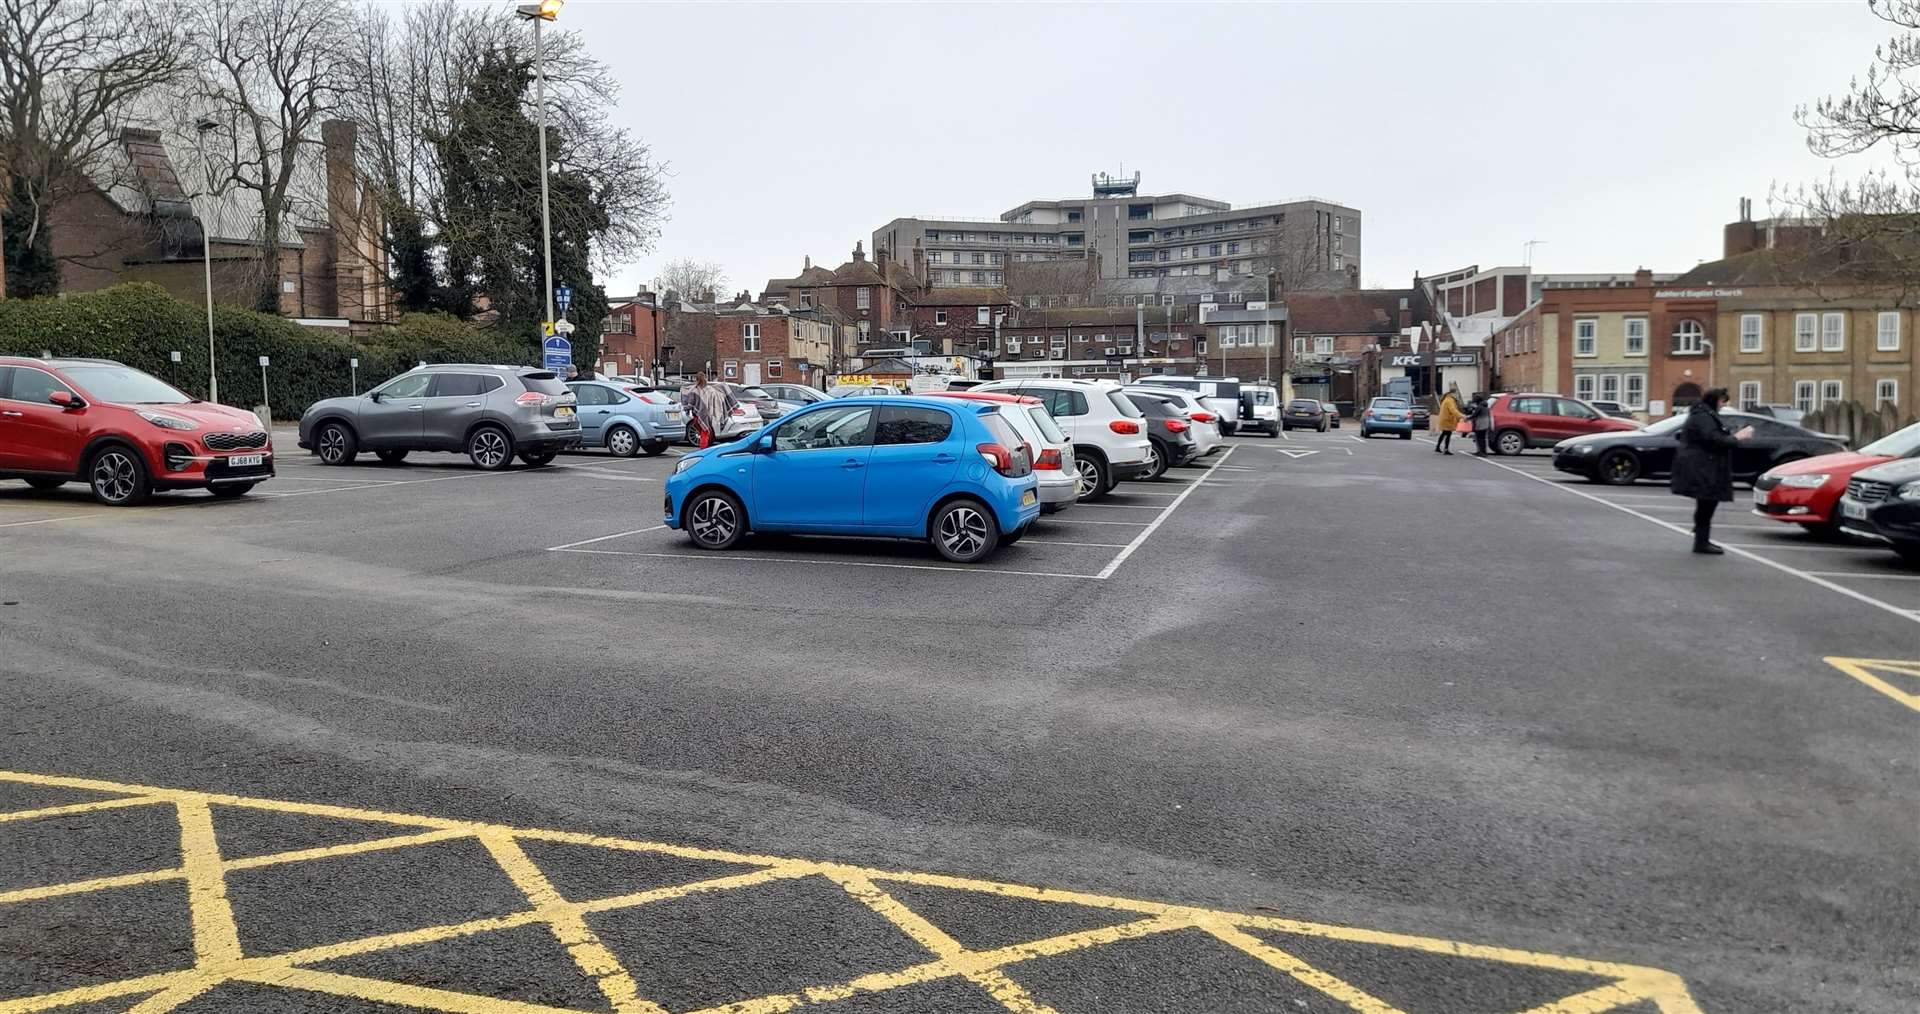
[(1448, 417), (1703, 466), (1480, 417), (708, 406)]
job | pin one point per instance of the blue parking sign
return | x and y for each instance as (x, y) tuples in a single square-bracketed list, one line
[(558, 354), (563, 298)]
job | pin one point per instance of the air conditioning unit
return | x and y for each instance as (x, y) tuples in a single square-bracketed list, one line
[(1108, 350)]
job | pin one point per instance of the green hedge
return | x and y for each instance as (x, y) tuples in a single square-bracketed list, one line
[(140, 324)]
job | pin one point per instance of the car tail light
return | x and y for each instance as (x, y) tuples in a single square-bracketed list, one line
[(1202, 417), (1176, 426), (1049, 459), (996, 456), (1124, 426), (1368, 414), (740, 410), (535, 398)]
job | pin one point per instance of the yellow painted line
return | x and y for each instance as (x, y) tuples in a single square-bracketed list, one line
[(220, 958), (1861, 669), (98, 804)]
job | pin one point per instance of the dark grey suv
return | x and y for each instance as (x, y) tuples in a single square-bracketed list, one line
[(490, 412)]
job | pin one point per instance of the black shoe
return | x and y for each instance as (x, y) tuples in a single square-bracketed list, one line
[(1446, 452), (1708, 549)]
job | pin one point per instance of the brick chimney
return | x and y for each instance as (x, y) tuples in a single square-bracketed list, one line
[(859, 252), (1643, 278), (919, 261), (1741, 236)]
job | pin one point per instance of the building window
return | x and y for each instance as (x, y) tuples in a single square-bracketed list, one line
[(730, 370), (1833, 332), (1233, 248), (1886, 393), (1583, 386), (1586, 341), (940, 317), (1887, 334), (1213, 250), (1689, 338), (1059, 341), (979, 277), (1830, 392), (863, 298), (773, 368), (1803, 395), (864, 328), (1323, 345), (750, 337), (1749, 394), (1806, 332), (1750, 335), (1199, 346), (1610, 387), (1636, 390)]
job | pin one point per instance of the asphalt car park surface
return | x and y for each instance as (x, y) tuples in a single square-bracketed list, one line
[(1324, 724)]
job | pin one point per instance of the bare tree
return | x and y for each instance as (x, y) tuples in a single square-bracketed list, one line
[(271, 74), (69, 71), (690, 278)]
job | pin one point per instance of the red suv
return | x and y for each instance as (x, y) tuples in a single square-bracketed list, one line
[(122, 432), (1521, 421)]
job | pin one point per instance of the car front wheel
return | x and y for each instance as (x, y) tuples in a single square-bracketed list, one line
[(335, 444), (118, 477), (964, 531), (1090, 478), (714, 520), (1619, 468), (490, 448)]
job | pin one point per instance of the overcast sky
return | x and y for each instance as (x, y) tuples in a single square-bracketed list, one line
[(1622, 134)]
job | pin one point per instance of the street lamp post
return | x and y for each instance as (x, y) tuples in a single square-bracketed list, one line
[(201, 126), (541, 13)]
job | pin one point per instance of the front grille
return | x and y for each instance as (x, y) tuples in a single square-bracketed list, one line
[(1867, 491), (234, 441)]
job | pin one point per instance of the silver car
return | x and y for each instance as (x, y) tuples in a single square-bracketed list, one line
[(490, 412)]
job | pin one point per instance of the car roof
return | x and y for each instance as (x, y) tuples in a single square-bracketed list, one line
[(59, 361), (1012, 399)]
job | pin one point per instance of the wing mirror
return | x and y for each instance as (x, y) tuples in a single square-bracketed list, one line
[(66, 400), (764, 445), (375, 396)]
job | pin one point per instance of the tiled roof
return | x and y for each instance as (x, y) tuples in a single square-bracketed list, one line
[(962, 296), (1364, 311)]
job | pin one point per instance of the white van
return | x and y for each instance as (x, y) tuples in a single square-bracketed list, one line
[(1222, 393)]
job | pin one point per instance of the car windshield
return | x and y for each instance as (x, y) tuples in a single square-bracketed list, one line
[(1903, 443), (1395, 403), (125, 385)]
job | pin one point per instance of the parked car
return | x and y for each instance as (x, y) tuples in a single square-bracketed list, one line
[(1049, 449), (757, 399), (1807, 492), (1387, 415), (1421, 414), (960, 384), (122, 432), (1169, 435), (1617, 410), (1882, 503), (745, 419), (793, 396), (1626, 456), (490, 412), (952, 472), (626, 420), (1109, 439), (1260, 408), (1521, 421), (1784, 413), (1206, 423), (1221, 393), (860, 391), (1304, 413), (1333, 414)]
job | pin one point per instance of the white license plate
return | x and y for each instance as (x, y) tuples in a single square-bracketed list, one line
[(1760, 497), (673, 416), (245, 460), (1853, 510)]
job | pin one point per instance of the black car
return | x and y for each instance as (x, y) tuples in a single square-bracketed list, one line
[(1167, 431), (1882, 503), (1422, 416), (1620, 458), (1304, 412)]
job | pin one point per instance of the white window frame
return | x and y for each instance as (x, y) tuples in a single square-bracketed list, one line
[(863, 298), (983, 315), (1583, 386), (939, 316), (1806, 332), (1753, 332), (1701, 337), (1199, 346), (773, 369), (1749, 394), (1627, 329), (1833, 332), (1887, 338), (1058, 341), (1587, 345), (1614, 379), (865, 329), (1323, 345), (1632, 394), (1806, 395), (1838, 389), (1886, 391), (750, 337)]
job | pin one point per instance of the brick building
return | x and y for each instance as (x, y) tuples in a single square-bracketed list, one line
[(1330, 334), (958, 320), (632, 335), (1098, 341), (756, 344), (876, 296)]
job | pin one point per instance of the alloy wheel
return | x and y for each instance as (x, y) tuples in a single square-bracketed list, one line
[(1153, 459), (1512, 443), (621, 442), (963, 531), (114, 477), (1086, 477), (713, 521), (489, 448), (333, 444)]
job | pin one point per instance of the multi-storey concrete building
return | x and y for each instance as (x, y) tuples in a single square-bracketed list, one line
[(1307, 244)]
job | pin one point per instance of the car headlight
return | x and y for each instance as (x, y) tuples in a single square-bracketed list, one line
[(685, 463), (1911, 491), (1582, 449), (1805, 481), (168, 422)]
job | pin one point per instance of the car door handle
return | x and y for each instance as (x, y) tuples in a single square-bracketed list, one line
[(473, 404), (944, 458), (16, 415), (851, 463), (416, 408), (599, 411)]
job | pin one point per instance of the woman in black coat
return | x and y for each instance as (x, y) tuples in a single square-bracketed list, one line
[(1703, 466)]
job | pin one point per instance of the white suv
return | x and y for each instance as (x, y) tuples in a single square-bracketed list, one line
[(1108, 432)]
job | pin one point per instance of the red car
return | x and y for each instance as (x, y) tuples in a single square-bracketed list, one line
[(1807, 492), (1521, 421), (122, 432)]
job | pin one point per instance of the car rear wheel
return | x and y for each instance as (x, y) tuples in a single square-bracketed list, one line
[(1618, 468), (623, 442), (118, 477), (1510, 442), (964, 531), (1156, 461), (714, 520), (46, 482), (390, 457), (335, 444), (490, 448), (231, 490), (654, 448), (538, 460), (1090, 478)]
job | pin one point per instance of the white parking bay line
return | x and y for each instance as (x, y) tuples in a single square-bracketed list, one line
[(1056, 542), (1808, 549), (1121, 557), (1870, 577), (1058, 520), (48, 521), (603, 538), (1126, 506), (1741, 551), (717, 557)]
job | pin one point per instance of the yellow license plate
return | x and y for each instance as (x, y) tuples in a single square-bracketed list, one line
[(563, 411), (1028, 498)]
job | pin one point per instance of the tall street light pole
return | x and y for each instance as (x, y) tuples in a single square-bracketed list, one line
[(541, 13), (201, 126)]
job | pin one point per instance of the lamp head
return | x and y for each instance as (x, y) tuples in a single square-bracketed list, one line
[(544, 10), (202, 124)]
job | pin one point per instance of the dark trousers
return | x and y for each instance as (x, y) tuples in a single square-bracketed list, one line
[(1480, 442), (1703, 521), (1445, 443)]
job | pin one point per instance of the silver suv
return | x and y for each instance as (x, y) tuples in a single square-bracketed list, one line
[(490, 412)]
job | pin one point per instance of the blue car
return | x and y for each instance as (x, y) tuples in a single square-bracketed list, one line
[(1388, 415), (952, 472), (626, 419)]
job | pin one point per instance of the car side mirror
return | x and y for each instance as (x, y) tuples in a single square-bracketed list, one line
[(375, 396), (65, 400), (764, 445)]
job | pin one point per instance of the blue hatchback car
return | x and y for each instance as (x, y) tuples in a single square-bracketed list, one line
[(626, 419), (952, 472), (1387, 415)]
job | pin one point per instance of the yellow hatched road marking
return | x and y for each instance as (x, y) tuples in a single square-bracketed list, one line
[(219, 956), (1862, 670)]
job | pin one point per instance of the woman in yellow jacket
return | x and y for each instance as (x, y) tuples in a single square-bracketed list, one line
[(1447, 418)]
